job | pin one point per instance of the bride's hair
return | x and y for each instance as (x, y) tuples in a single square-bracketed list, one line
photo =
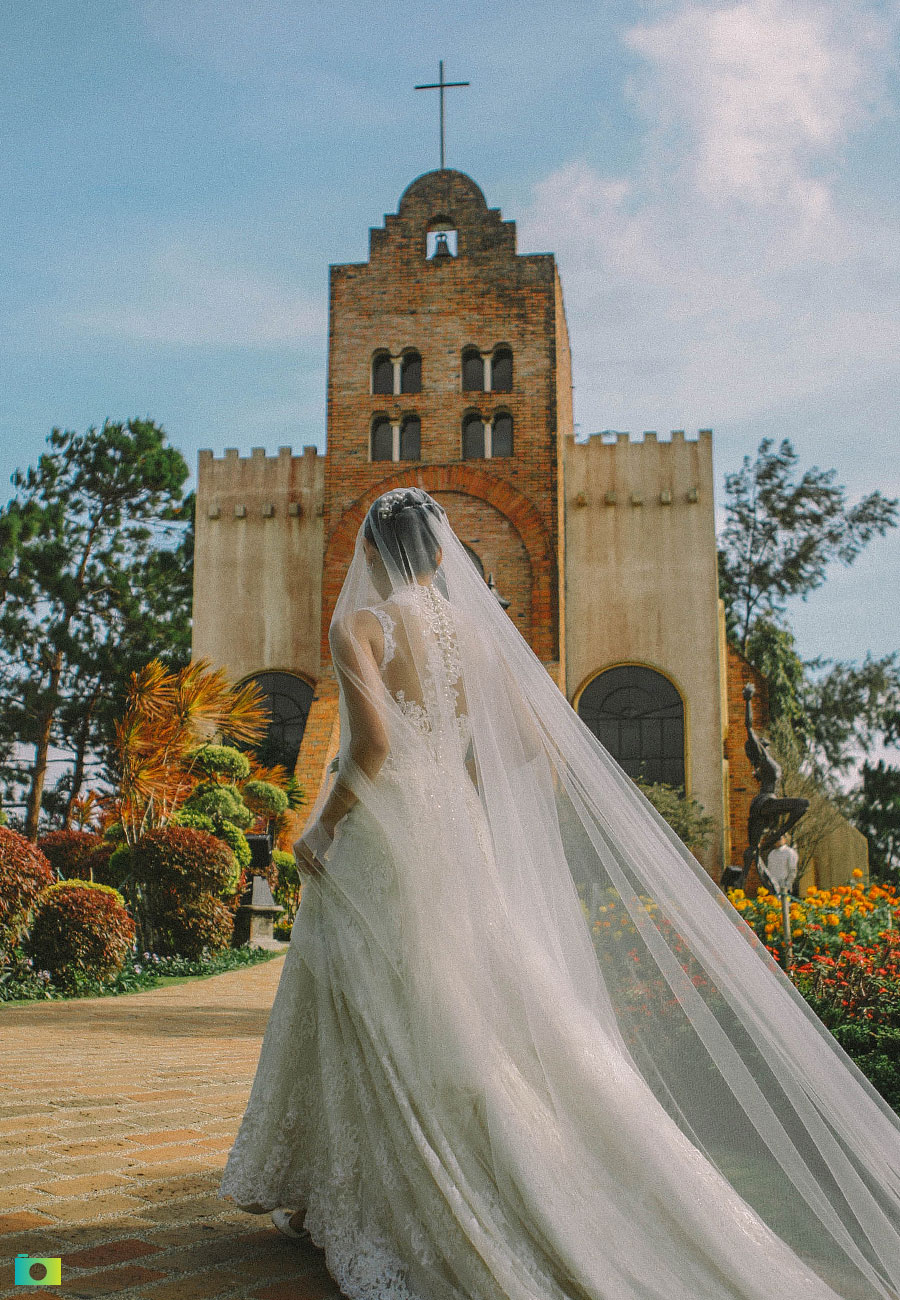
[(400, 518)]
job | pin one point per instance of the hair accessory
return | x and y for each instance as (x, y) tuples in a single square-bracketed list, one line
[(391, 503)]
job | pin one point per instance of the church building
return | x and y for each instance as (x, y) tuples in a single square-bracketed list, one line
[(449, 368)]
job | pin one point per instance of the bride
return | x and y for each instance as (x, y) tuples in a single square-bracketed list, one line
[(523, 1048)]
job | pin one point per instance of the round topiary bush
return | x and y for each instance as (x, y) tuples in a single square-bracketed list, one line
[(223, 803), (80, 926), (188, 925), (24, 873), (182, 860), (70, 852), (100, 863), (264, 799), (221, 760)]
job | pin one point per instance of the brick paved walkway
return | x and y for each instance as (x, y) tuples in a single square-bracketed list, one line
[(116, 1115)]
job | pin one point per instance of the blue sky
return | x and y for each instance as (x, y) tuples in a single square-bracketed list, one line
[(719, 181)]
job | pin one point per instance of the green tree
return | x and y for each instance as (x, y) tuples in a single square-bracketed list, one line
[(782, 532), (876, 811), (92, 586), (685, 815)]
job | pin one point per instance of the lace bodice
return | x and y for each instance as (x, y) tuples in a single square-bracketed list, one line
[(446, 676)]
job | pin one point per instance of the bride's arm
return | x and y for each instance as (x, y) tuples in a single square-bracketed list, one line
[(360, 682)]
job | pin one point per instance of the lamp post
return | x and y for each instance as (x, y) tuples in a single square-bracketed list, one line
[(781, 871)]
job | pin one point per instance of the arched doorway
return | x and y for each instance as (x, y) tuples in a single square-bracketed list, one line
[(289, 699), (638, 715)]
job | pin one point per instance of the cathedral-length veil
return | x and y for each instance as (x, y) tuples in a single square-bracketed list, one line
[(573, 1067)]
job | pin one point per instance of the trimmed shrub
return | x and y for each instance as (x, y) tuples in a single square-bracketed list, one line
[(119, 865), (100, 863), (286, 891), (70, 852), (185, 926), (80, 926), (24, 873), (221, 760), (223, 803), (264, 799), (237, 842), (182, 860), (195, 821)]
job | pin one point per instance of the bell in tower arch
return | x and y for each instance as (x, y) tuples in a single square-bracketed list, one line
[(441, 246)]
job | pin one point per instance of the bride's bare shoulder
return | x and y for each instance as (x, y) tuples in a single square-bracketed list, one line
[(359, 625)]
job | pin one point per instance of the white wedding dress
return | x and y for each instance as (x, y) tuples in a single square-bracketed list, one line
[(454, 1117)]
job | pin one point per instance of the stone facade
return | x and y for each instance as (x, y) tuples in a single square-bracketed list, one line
[(605, 549), (641, 585)]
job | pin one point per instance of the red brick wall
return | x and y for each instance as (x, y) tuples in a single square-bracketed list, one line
[(742, 785), (319, 744), (485, 296)]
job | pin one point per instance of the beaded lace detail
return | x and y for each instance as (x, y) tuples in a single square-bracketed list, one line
[(387, 626), (445, 673)]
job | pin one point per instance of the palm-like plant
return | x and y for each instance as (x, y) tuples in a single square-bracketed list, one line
[(169, 716)]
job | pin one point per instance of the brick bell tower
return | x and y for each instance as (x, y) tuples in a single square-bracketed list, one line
[(448, 368)]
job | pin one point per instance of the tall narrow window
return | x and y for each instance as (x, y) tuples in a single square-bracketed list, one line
[(639, 716), (502, 435), (502, 371), (473, 437), (411, 373), (472, 371), (382, 439), (382, 373), (411, 438)]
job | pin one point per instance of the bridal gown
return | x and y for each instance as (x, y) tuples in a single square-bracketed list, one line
[(445, 1171)]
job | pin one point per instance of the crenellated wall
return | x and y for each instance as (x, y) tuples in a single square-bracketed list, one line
[(641, 585), (258, 562)]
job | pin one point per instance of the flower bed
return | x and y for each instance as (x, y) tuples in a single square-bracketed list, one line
[(846, 963), (846, 949), (21, 980)]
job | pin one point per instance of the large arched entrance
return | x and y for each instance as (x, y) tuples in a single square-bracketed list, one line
[(638, 715)]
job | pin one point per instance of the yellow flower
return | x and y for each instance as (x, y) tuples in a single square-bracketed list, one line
[(796, 933), (833, 919)]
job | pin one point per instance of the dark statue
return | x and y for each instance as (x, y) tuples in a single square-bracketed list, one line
[(771, 815)]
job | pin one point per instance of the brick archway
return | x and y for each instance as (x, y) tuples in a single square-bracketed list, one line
[(521, 512)]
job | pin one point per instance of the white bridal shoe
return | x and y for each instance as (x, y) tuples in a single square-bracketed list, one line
[(282, 1221)]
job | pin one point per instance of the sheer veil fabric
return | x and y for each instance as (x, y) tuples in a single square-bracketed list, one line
[(523, 1048)]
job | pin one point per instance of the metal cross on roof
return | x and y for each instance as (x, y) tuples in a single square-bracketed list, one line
[(442, 85)]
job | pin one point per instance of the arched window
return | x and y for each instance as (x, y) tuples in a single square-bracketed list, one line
[(639, 716), (501, 371), (473, 437), (382, 439), (502, 435), (411, 373), (411, 438), (472, 371), (441, 239), (289, 699), (382, 373)]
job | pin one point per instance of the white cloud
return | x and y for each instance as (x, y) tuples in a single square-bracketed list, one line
[(732, 272), (762, 90)]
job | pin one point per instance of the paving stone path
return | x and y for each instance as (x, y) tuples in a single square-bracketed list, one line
[(116, 1115)]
